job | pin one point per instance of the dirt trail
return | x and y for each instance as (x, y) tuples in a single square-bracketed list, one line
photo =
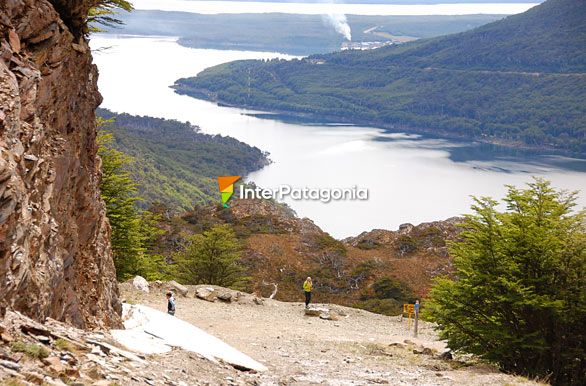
[(361, 348)]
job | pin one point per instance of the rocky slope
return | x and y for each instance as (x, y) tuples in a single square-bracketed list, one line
[(55, 259), (55, 353), (377, 270)]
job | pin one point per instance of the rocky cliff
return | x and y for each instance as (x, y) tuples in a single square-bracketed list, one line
[(55, 259)]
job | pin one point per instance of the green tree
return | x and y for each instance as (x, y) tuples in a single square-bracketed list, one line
[(212, 258), (105, 14), (519, 299), (132, 230)]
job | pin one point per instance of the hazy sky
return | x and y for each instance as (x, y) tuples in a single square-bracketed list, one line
[(321, 8)]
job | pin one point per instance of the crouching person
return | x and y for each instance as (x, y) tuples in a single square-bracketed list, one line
[(170, 303)]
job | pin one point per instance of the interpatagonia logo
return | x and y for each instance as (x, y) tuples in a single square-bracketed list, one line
[(226, 185)]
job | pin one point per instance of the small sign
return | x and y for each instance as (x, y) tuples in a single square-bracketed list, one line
[(408, 308)]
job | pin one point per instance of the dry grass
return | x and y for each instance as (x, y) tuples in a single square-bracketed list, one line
[(63, 344), (32, 350)]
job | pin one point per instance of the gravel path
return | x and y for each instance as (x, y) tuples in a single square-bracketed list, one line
[(361, 348)]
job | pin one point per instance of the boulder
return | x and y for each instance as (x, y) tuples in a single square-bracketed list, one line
[(225, 297), (312, 312), (54, 364), (323, 313), (173, 285), (258, 301), (446, 356), (422, 350), (140, 284), (6, 337), (329, 316), (10, 365), (206, 293)]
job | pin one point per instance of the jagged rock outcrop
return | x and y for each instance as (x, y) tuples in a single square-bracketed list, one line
[(273, 217), (55, 259), (427, 237)]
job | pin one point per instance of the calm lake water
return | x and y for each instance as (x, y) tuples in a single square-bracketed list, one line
[(410, 178), (326, 7)]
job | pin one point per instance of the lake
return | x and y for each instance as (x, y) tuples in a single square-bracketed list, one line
[(410, 178), (321, 8)]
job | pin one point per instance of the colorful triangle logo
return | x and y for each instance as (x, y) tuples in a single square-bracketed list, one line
[(226, 186)]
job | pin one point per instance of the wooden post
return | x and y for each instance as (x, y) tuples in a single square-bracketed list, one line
[(416, 320)]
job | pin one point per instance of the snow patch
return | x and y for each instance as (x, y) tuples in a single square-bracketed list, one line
[(149, 331)]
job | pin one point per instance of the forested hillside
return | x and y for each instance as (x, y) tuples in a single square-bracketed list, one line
[(176, 165), (518, 80)]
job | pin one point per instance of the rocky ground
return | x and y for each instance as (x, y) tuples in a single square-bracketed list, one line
[(352, 347), (342, 346), (54, 353)]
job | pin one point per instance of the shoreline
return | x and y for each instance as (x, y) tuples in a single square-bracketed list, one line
[(388, 128)]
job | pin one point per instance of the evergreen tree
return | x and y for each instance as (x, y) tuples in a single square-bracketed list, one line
[(212, 258), (519, 299), (105, 14), (132, 230)]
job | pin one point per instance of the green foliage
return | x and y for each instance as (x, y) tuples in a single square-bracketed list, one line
[(387, 288), (363, 271), (330, 270), (520, 79), (63, 344), (133, 230), (386, 296), (406, 244), (105, 14), (325, 242), (32, 350), (367, 244), (212, 258), (520, 295), (175, 165)]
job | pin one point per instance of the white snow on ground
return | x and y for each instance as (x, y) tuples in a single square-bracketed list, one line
[(139, 341), (149, 331)]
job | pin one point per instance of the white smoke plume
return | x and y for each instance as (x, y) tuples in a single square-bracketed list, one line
[(340, 24)]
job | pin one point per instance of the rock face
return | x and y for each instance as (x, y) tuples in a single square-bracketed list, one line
[(430, 237), (55, 259)]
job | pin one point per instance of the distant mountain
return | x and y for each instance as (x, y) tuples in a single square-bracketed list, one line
[(547, 38), (290, 33), (519, 80), (176, 165)]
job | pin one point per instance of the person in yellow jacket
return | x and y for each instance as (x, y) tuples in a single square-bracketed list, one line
[(307, 287)]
